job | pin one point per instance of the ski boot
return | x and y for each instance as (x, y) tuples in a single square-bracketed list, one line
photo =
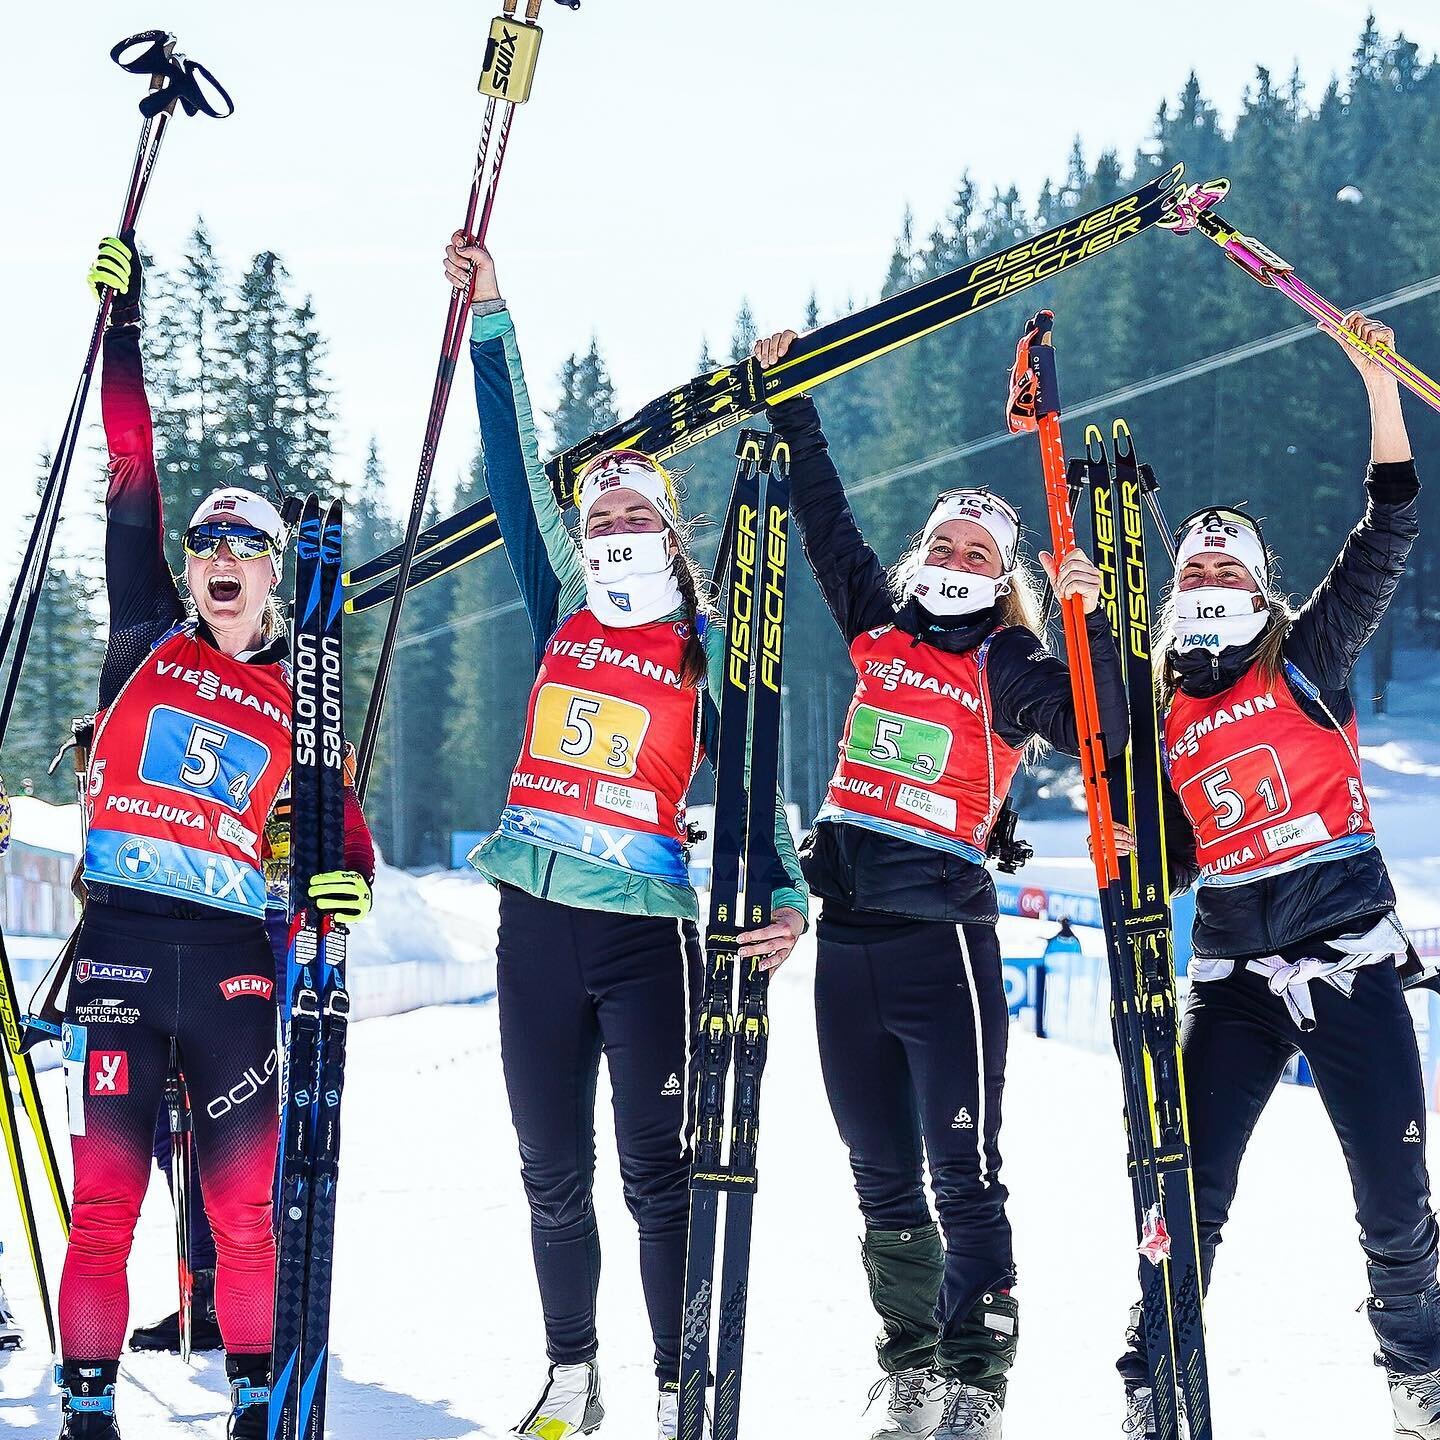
[(1416, 1400), (914, 1403), (1139, 1421), (87, 1399), (568, 1405), (12, 1337), (204, 1327), (667, 1414), (970, 1413), (249, 1396)]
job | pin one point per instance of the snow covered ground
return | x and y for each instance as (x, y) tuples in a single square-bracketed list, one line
[(437, 1328)]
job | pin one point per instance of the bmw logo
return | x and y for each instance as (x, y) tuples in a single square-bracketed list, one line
[(138, 859)]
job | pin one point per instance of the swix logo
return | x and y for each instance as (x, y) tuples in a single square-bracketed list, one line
[(505, 49), (238, 985), (249, 1085), (109, 1072)]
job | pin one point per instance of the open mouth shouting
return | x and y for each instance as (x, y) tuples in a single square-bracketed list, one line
[(223, 589)]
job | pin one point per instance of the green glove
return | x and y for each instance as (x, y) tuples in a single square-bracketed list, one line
[(342, 893), (117, 268)]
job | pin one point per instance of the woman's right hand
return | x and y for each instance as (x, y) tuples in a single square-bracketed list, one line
[(114, 268), (468, 267)]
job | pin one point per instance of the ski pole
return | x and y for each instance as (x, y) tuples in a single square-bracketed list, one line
[(173, 80), (1193, 209), (505, 79), (177, 1106), (1074, 483)]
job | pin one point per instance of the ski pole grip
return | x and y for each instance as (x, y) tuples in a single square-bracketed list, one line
[(511, 51), (147, 53)]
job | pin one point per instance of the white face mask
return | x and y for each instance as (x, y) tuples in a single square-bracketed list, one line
[(1214, 617), (630, 579), (956, 592)]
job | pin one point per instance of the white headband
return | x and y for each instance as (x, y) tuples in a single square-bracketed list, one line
[(629, 472), (988, 511), (1215, 531)]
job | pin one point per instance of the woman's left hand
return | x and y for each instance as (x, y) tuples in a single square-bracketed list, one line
[(1374, 333), (1076, 576), (774, 943), (771, 350)]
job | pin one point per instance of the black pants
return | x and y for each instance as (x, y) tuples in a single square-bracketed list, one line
[(573, 983), (1236, 1040), (913, 1028)]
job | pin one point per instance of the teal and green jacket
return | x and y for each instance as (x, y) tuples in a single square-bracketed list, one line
[(546, 561)]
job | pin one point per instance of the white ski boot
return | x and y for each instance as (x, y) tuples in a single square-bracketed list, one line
[(12, 1337), (568, 1405), (970, 1413), (1139, 1421), (1416, 1399), (914, 1403), (667, 1415)]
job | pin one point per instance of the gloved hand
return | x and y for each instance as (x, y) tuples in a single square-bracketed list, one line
[(117, 267), (341, 893)]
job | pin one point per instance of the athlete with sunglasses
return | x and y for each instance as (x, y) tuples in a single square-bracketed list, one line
[(598, 949), (952, 686), (190, 755), (1296, 942)]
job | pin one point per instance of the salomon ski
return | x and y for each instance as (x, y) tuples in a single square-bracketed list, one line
[(318, 1004)]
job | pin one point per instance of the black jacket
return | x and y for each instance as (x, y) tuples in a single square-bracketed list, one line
[(1316, 902), (863, 869)]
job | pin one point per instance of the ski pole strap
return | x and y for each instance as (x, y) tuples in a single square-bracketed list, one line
[(1034, 385), (173, 78)]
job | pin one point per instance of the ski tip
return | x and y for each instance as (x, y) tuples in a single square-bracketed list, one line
[(1123, 441), (1093, 437)]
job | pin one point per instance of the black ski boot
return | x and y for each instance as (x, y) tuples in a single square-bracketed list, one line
[(87, 1399), (205, 1328), (249, 1396)]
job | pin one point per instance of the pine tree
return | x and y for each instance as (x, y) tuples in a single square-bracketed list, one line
[(745, 334), (587, 399)]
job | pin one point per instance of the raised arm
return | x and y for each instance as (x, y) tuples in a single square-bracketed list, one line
[(1337, 621), (541, 552), (138, 581)]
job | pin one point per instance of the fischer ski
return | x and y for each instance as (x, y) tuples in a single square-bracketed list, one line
[(1146, 1014), (710, 403), (736, 1028), (1192, 208), (318, 1005)]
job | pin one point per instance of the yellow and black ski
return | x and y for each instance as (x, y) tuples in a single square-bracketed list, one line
[(710, 403)]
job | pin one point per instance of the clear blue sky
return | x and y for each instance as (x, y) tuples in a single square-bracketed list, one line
[(675, 157)]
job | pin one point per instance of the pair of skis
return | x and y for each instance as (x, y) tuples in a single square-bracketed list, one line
[(710, 403), (1134, 894), (317, 1004), (734, 1023)]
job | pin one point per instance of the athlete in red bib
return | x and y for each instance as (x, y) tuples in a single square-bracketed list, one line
[(1296, 944), (952, 684), (598, 949), (191, 753)]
